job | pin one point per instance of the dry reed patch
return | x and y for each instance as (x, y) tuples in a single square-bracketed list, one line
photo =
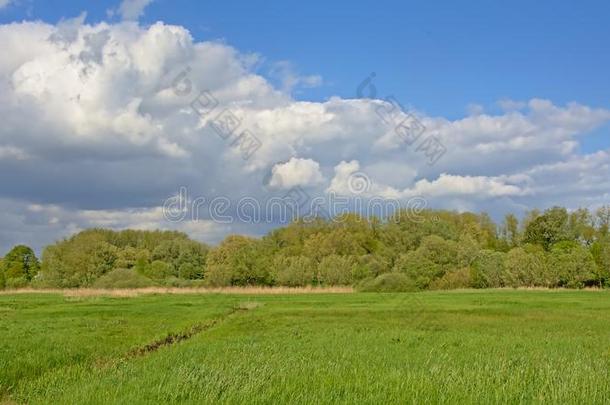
[(134, 292)]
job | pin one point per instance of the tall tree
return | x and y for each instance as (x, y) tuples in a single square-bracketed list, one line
[(20, 263), (510, 230), (549, 228)]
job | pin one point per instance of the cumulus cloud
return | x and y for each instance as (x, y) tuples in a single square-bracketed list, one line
[(296, 172), (5, 3), (103, 122)]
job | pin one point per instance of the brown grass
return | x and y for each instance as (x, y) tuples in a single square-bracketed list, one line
[(134, 292)]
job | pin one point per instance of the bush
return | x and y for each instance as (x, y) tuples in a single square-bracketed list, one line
[(454, 279), (156, 270), (527, 268), (572, 265), (123, 278), (16, 282), (388, 282), (236, 262), (369, 266), (601, 253), (293, 271), (488, 270), (336, 270), (417, 267), (218, 275)]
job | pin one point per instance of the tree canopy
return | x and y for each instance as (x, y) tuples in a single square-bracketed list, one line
[(441, 249)]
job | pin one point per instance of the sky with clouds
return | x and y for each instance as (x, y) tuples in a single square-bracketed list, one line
[(108, 110)]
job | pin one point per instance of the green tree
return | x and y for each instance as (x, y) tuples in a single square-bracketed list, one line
[(235, 262), (418, 267), (601, 254), (510, 230), (19, 266), (572, 265), (527, 268), (581, 226), (336, 270), (157, 270), (293, 271), (487, 270), (549, 228), (78, 261), (602, 219), (187, 258)]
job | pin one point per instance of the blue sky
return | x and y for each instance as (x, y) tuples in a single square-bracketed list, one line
[(518, 92)]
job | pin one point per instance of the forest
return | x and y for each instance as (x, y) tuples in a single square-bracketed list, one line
[(440, 250)]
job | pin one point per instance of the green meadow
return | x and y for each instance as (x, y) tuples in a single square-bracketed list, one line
[(489, 346)]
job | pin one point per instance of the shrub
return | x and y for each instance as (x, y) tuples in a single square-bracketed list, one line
[(369, 266), (388, 282), (157, 270), (601, 253), (527, 268), (487, 270), (180, 282), (417, 267), (16, 282), (123, 278), (235, 262), (572, 265), (461, 278), (336, 270), (442, 252), (293, 271)]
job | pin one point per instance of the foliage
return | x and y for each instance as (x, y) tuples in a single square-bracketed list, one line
[(19, 267), (123, 278), (235, 262), (88, 255), (436, 249), (572, 265), (549, 228), (601, 253), (488, 270), (529, 269), (293, 271), (461, 278), (337, 270)]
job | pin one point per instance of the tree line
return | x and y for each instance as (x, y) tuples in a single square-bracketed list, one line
[(439, 250)]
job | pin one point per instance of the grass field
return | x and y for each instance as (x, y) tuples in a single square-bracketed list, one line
[(433, 347)]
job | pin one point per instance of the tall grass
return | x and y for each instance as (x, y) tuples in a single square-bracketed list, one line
[(498, 346)]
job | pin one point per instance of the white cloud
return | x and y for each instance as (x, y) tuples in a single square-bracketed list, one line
[(131, 9), (95, 125), (290, 80), (296, 172), (5, 3)]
